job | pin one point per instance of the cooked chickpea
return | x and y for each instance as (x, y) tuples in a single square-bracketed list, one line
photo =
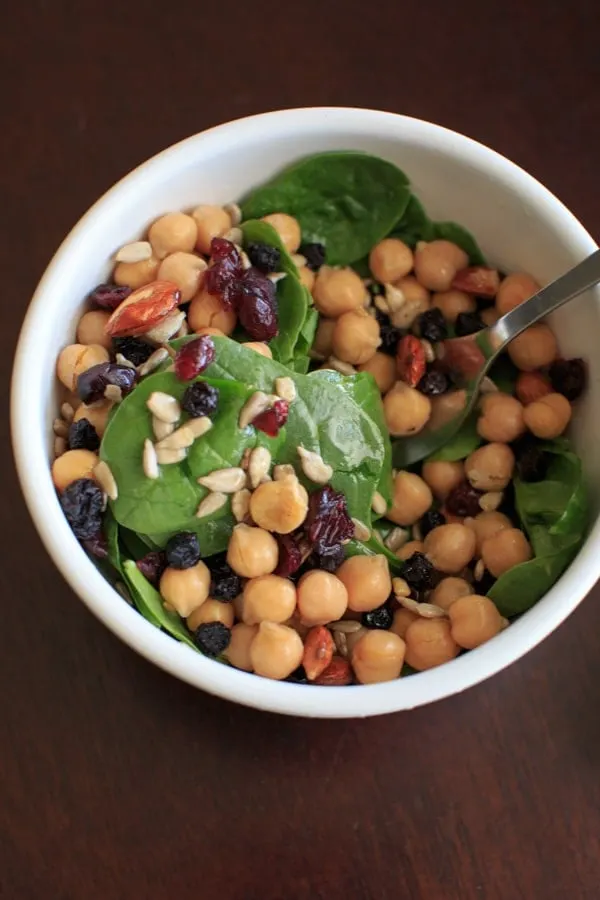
[(322, 598), (378, 656), (72, 465), (429, 643), (406, 410), (252, 551), (172, 233), (211, 222), (486, 525), (96, 415), (501, 418), (268, 598), (307, 277), (383, 369), (504, 550), (442, 476), (259, 347), (207, 310), (185, 589), (275, 651), (452, 303), (209, 330), (76, 359), (411, 499), (288, 229), (402, 619), (437, 263), (474, 620), (535, 348), (409, 548), (450, 547), (367, 580), (514, 290), (338, 291), (91, 328), (356, 337), (549, 416), (390, 260), (137, 274), (238, 651), (445, 407), (448, 591), (211, 611), (323, 342), (279, 506), (490, 468), (415, 294), (186, 270)]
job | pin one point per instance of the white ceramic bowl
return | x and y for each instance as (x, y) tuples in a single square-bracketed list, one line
[(519, 225)]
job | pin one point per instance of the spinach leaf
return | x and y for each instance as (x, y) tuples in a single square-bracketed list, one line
[(464, 442), (136, 545), (346, 200), (301, 360), (149, 604), (520, 588), (452, 231), (415, 225), (110, 526)]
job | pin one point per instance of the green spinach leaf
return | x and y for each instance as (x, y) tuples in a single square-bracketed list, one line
[(452, 231), (464, 442), (415, 225), (150, 604)]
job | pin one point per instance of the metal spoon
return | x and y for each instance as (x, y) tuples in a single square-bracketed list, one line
[(470, 358)]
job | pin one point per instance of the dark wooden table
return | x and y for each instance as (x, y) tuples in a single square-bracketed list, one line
[(116, 781)]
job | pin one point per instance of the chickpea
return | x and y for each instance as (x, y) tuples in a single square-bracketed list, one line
[(172, 233), (186, 270), (450, 547), (323, 342), (383, 369), (356, 337), (437, 263), (504, 550), (275, 651), (514, 290), (378, 656), (489, 316), (490, 468), (406, 410), (501, 418), (549, 416), (474, 620), (486, 525), (409, 548), (445, 407), (322, 598), (72, 465), (211, 611), (402, 619), (429, 643), (307, 277), (534, 348), (91, 328), (288, 229), (96, 415), (238, 651), (367, 580), (252, 551), (137, 274), (452, 303), (211, 222), (207, 310), (414, 293), (209, 330), (448, 592), (76, 359), (338, 291), (259, 347), (442, 476), (411, 499), (185, 589), (279, 506), (268, 598), (390, 260)]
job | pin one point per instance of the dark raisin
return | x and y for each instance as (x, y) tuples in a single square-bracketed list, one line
[(133, 349), (418, 571), (432, 326), (530, 459), (433, 518), (382, 618), (82, 503), (298, 676), (291, 553), (226, 267), (263, 257), (194, 357), (200, 399), (463, 500), (331, 558), (255, 302), (568, 377), (152, 565), (433, 383), (97, 546), (183, 550), (314, 255), (212, 638), (327, 522), (109, 296), (224, 583), (468, 323), (271, 420), (83, 436), (92, 383)]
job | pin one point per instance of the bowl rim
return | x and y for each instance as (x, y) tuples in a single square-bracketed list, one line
[(158, 647)]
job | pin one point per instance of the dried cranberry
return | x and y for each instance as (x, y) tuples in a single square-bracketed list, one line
[(530, 459), (271, 420), (314, 255), (433, 383), (97, 546), (82, 503), (327, 522), (263, 257), (134, 349), (224, 583), (225, 269), (212, 638), (194, 357), (109, 296), (92, 383), (200, 399), (291, 554), (418, 571), (183, 550), (381, 618), (432, 326), (152, 565), (255, 302), (83, 436), (330, 559), (463, 500), (568, 377), (433, 518), (468, 323)]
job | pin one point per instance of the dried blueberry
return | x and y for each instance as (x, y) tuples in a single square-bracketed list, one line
[(109, 296), (183, 550), (83, 436), (327, 522), (468, 323), (382, 618), (530, 459), (265, 258), (133, 349), (432, 325), (418, 571), (433, 383), (212, 638), (200, 399), (433, 518), (331, 558), (224, 583), (92, 383), (152, 565), (388, 334), (82, 502), (314, 255), (255, 302), (568, 377), (463, 500)]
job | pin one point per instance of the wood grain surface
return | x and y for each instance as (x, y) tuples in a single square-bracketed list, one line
[(117, 781)]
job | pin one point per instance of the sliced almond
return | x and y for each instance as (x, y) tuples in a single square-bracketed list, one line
[(136, 251), (150, 460), (259, 464), (161, 429), (240, 505), (361, 532), (106, 479), (166, 329), (225, 481), (257, 403), (164, 407), (178, 440), (397, 538), (284, 471), (199, 425), (170, 457), (314, 466), (285, 388), (400, 587), (378, 504), (155, 360), (211, 504)]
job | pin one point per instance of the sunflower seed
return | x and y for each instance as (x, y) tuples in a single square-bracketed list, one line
[(178, 440), (234, 213), (491, 501), (382, 305), (166, 329), (136, 251), (199, 426), (67, 412), (153, 362), (169, 457), (240, 504), (123, 361), (161, 429), (60, 445), (299, 260), (425, 610), (395, 298), (479, 570), (149, 460), (338, 365), (164, 407), (284, 470), (113, 393), (61, 429), (211, 504), (227, 481), (106, 479), (417, 534), (346, 626), (259, 464), (396, 539), (286, 389), (361, 532), (378, 504), (428, 349), (314, 467), (341, 644), (400, 588), (257, 403)]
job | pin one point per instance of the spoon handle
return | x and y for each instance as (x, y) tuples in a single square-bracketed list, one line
[(569, 285)]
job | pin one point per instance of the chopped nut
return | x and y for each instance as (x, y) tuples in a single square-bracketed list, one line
[(395, 298), (161, 429), (61, 429), (211, 504), (123, 361), (284, 470), (491, 501), (106, 479), (397, 538), (400, 587), (286, 389), (149, 460), (67, 412), (164, 407), (178, 440), (361, 532), (199, 426), (234, 212), (235, 235), (257, 403), (226, 481), (429, 351), (169, 457), (299, 260), (136, 251), (276, 276), (155, 360), (240, 505), (113, 393), (479, 570), (167, 328), (342, 367), (314, 467), (259, 464), (382, 305), (378, 504)]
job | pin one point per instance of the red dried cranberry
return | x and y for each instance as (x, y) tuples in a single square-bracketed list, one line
[(463, 500), (97, 546), (226, 268), (194, 357), (291, 554), (92, 383), (327, 522), (152, 565), (109, 296), (271, 420), (255, 302)]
